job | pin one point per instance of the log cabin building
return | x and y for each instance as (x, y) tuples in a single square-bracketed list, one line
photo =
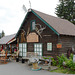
[(45, 34)]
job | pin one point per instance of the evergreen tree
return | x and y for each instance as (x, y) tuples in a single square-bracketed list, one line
[(0, 35), (66, 10), (3, 34)]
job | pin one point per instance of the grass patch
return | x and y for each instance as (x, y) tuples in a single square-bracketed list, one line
[(62, 70)]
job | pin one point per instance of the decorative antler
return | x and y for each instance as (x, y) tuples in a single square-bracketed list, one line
[(40, 30)]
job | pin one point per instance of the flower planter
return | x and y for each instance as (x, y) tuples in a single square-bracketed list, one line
[(59, 45)]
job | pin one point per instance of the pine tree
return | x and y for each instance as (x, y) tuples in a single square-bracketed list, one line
[(0, 35), (66, 10), (3, 34)]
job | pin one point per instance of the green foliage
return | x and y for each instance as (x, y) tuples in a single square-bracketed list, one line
[(65, 71), (68, 62), (66, 10), (54, 62), (61, 59), (46, 57), (71, 56)]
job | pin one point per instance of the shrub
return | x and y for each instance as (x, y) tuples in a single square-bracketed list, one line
[(54, 62), (71, 56), (73, 67), (68, 62), (61, 59)]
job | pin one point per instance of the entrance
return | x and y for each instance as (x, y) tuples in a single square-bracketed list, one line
[(38, 48), (22, 49)]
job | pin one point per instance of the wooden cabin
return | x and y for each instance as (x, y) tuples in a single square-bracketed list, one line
[(45, 34)]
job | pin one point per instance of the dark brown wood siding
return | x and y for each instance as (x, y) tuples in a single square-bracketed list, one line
[(67, 43), (48, 36)]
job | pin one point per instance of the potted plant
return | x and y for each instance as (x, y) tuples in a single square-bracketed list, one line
[(59, 45)]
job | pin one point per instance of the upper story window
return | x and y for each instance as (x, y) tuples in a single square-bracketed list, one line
[(33, 25)]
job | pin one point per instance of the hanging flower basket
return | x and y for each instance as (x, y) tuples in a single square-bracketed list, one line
[(59, 45)]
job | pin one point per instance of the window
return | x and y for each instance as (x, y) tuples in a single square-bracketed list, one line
[(38, 49), (33, 25), (49, 46), (22, 49)]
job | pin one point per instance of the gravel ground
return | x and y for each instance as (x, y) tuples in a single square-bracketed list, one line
[(17, 68)]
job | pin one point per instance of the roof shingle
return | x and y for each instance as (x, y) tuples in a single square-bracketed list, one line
[(62, 26)]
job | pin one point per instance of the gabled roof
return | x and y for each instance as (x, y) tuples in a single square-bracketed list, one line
[(59, 26), (62, 26), (6, 39)]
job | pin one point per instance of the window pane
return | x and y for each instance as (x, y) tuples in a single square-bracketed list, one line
[(41, 49), (20, 49), (40, 53), (37, 49), (20, 45), (20, 54), (24, 54), (23, 50), (35, 45), (33, 25), (40, 45)]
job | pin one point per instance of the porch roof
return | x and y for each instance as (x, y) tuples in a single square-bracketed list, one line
[(6, 39)]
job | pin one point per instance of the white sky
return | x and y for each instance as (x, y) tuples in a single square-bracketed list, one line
[(12, 13)]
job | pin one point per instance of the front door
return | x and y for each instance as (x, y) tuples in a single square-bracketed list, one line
[(22, 49), (38, 48)]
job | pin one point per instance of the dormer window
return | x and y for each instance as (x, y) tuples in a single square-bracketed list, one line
[(32, 25)]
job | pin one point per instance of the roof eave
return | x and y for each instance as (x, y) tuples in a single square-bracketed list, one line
[(22, 24)]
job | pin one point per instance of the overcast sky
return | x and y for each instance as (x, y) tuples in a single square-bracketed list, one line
[(12, 13)]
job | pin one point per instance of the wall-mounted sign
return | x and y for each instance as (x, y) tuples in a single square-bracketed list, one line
[(32, 37)]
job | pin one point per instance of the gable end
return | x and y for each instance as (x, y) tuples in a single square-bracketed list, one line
[(45, 23)]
